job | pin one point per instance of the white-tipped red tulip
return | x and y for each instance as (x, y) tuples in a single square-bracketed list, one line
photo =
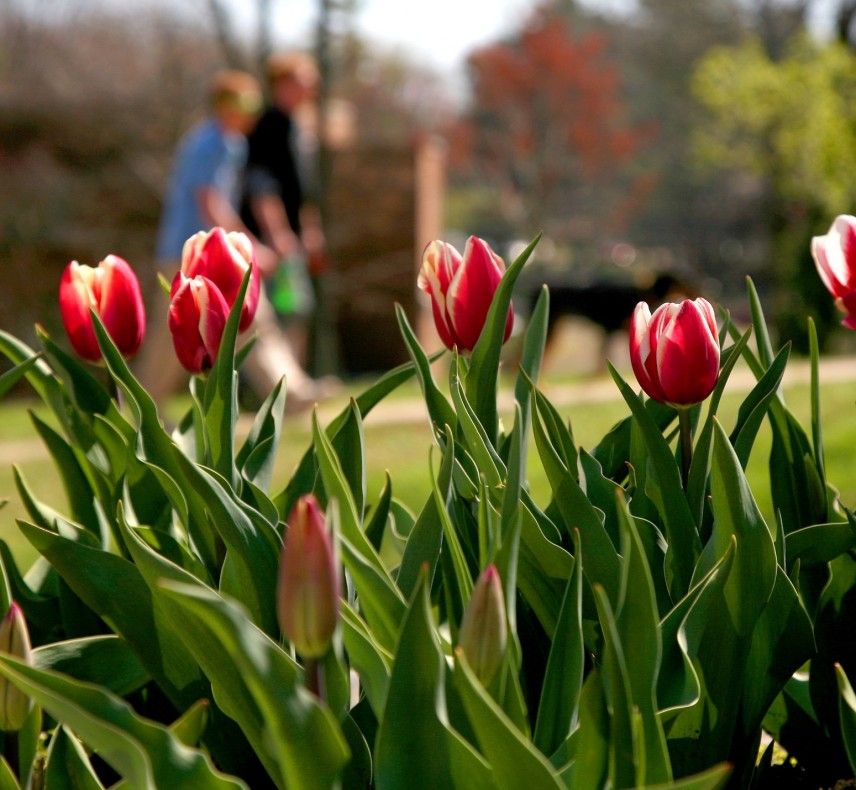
[(224, 258), (835, 257), (461, 290), (675, 351), (112, 290), (197, 316)]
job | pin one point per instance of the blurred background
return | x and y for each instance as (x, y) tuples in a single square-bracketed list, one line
[(705, 140)]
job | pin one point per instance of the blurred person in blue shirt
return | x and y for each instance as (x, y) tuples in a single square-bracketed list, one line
[(205, 185), (204, 192)]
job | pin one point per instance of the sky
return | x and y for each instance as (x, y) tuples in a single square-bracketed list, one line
[(440, 33), (434, 33)]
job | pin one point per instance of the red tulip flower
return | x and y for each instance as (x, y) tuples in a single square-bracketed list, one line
[(112, 290), (461, 289), (835, 258), (675, 351), (223, 258), (308, 585), (197, 317)]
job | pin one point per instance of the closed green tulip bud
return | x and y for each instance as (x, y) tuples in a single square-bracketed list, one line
[(14, 640), (308, 586), (484, 631)]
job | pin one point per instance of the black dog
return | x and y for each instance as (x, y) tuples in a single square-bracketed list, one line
[(609, 305)]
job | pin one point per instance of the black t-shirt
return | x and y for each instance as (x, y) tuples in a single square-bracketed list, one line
[(272, 167)]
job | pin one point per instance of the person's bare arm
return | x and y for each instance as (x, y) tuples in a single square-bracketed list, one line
[(271, 217)]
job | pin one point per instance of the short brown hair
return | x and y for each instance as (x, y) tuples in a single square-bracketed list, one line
[(292, 66), (235, 89)]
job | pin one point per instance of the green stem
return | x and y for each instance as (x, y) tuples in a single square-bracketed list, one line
[(314, 670), (686, 445)]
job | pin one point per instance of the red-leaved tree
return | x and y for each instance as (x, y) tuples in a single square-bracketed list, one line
[(547, 128)]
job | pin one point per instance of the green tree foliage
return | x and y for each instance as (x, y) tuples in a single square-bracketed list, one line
[(791, 123)]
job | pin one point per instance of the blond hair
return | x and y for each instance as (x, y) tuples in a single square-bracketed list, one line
[(235, 90), (291, 66)]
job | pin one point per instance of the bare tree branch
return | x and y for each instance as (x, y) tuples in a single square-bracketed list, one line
[(223, 28)]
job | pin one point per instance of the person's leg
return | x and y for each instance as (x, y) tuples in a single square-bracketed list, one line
[(272, 358)]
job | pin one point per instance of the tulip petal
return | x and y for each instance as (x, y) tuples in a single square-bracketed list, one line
[(197, 317), (641, 351), (847, 304), (823, 253), (223, 258), (120, 305), (471, 292), (440, 261), (76, 297), (308, 583), (687, 356)]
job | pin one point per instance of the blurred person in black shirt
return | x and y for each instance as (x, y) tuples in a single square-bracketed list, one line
[(279, 189)]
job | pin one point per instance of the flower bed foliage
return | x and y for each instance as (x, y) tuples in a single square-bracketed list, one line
[(187, 627)]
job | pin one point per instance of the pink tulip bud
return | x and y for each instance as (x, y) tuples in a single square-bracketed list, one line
[(835, 258), (308, 585), (484, 632), (675, 352), (223, 258), (461, 289), (197, 317), (15, 641), (112, 290)]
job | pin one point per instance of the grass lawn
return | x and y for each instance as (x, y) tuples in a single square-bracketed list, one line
[(403, 449)]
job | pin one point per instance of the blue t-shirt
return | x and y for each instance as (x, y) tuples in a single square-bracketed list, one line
[(208, 156)]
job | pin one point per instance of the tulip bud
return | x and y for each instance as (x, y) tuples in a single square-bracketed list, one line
[(675, 351), (484, 633), (308, 584), (14, 640), (461, 290), (112, 290), (224, 258), (835, 257), (197, 317)]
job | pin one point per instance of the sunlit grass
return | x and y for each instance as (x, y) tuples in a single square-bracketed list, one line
[(402, 448)]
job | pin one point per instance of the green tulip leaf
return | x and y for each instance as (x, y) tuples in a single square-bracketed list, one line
[(376, 524), (558, 712), (484, 363), (350, 446), (38, 373), (115, 590), (820, 543), (440, 411), (67, 765), (412, 744), (665, 490), (105, 660), (304, 478), (638, 629), (579, 515), (847, 712), (515, 761), (257, 455), (711, 779), (299, 733), (145, 753), (532, 356), (221, 393)]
